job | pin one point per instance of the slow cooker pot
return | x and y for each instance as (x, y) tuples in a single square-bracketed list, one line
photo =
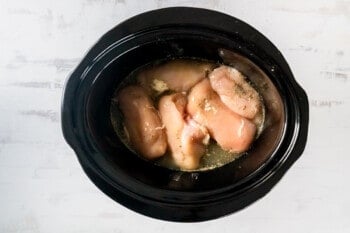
[(155, 191)]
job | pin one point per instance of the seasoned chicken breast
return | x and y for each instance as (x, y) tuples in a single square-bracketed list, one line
[(176, 75), (142, 122), (186, 138), (231, 131), (193, 144), (235, 92)]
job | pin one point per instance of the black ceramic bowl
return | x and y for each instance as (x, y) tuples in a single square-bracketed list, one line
[(163, 193)]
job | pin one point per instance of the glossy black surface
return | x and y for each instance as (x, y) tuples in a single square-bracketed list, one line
[(156, 191)]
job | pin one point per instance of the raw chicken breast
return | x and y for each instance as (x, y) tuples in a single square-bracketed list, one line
[(176, 75), (193, 141), (231, 131), (235, 92), (186, 138), (142, 122), (172, 112)]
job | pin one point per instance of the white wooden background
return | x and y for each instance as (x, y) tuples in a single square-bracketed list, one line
[(43, 188)]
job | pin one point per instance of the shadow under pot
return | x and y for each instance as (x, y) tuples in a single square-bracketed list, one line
[(169, 194)]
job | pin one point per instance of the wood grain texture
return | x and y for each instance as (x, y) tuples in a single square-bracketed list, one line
[(43, 188)]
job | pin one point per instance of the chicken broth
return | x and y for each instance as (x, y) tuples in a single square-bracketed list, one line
[(187, 114)]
